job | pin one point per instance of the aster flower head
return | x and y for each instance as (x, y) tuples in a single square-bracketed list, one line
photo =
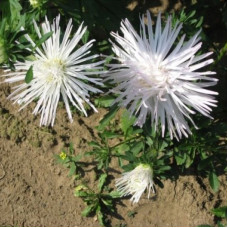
[(136, 182), (158, 76), (58, 70)]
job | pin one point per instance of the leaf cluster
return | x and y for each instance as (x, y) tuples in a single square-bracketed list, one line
[(71, 161), (100, 202)]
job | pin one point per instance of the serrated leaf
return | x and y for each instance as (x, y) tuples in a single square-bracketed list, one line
[(102, 180), (214, 181), (29, 75)]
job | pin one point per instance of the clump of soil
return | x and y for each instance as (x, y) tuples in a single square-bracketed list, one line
[(35, 190)]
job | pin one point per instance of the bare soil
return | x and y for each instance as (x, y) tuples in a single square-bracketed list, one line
[(36, 191)]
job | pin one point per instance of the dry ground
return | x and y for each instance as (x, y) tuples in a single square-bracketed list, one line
[(35, 191)]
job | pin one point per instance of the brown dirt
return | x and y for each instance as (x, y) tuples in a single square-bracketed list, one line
[(35, 191)]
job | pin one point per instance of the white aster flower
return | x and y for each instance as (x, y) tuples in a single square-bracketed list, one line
[(155, 77), (136, 182), (58, 70)]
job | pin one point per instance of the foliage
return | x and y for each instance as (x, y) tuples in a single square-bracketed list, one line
[(99, 203), (71, 161), (203, 153), (220, 213)]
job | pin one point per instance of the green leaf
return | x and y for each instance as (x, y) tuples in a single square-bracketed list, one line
[(122, 148), (129, 156), (190, 159), (72, 169), (29, 75), (102, 180), (85, 37), (11, 10), (200, 22), (128, 167), (126, 122), (77, 158), (220, 212), (180, 159), (137, 131), (104, 101), (94, 144), (191, 14), (110, 135), (164, 168), (43, 39), (81, 194), (71, 148), (149, 141), (163, 145), (89, 209), (107, 118), (214, 181), (120, 162), (137, 147), (115, 194), (100, 216), (107, 202), (17, 35)]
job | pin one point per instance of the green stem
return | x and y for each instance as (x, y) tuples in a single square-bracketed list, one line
[(118, 144)]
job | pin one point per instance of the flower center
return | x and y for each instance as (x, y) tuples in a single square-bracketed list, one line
[(156, 77), (51, 71)]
